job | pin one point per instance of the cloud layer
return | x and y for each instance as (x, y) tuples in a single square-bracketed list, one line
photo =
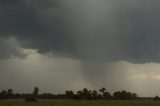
[(95, 30), (10, 48), (92, 32)]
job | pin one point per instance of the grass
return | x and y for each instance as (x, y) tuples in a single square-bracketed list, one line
[(78, 103)]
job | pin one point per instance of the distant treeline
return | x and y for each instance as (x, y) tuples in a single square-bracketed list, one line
[(82, 94)]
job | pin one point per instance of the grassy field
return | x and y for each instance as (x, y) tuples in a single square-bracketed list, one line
[(79, 103)]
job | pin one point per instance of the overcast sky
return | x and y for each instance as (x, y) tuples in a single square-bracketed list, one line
[(60, 45)]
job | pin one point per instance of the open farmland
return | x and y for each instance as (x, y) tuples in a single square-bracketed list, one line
[(79, 103)]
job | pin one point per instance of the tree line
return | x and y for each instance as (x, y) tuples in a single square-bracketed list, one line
[(69, 94)]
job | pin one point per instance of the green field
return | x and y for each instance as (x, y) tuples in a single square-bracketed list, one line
[(79, 103)]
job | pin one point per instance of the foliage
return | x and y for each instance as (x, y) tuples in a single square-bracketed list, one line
[(69, 94)]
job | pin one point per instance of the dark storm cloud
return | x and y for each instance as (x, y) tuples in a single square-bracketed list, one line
[(19, 18), (94, 30)]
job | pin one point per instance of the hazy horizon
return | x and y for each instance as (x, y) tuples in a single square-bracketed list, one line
[(61, 45)]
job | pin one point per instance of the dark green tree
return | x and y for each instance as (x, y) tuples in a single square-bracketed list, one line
[(69, 94), (3, 94), (124, 95), (95, 94), (86, 93), (10, 93), (107, 95), (36, 91), (102, 90)]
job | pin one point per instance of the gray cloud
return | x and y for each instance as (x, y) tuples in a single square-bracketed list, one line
[(96, 30), (10, 49)]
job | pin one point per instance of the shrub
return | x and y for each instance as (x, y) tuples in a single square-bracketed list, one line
[(31, 99)]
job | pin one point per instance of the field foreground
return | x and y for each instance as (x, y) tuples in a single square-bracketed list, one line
[(79, 103)]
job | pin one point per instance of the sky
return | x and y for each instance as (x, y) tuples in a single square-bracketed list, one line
[(61, 45)]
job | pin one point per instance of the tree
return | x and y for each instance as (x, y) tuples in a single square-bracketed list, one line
[(124, 95), (69, 94), (107, 95), (95, 94), (102, 90), (36, 91), (79, 93), (156, 98), (10, 93), (86, 93), (3, 94), (33, 97), (134, 96), (116, 95)]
